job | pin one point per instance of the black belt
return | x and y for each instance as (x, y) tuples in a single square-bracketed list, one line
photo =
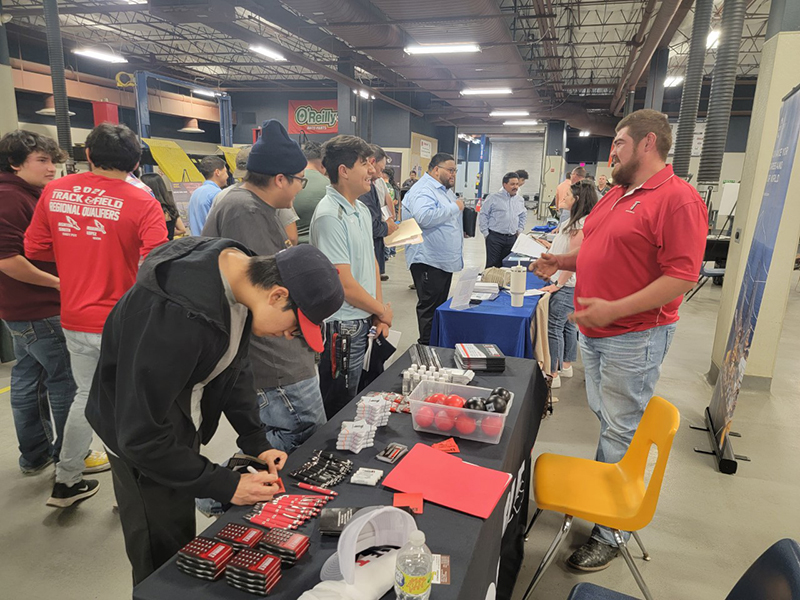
[(503, 234)]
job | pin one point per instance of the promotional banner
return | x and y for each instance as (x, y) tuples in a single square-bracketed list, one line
[(723, 401), (394, 160), (313, 116)]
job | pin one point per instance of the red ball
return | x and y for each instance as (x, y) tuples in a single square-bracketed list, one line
[(444, 422), (436, 398), (492, 426), (455, 401), (424, 416), (465, 424)]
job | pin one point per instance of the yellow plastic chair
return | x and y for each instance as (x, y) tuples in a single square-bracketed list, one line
[(612, 495)]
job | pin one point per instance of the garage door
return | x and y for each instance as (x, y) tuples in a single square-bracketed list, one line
[(512, 155)]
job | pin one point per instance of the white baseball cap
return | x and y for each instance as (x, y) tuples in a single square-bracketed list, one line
[(372, 526)]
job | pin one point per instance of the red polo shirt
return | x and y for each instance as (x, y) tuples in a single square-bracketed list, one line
[(633, 237)]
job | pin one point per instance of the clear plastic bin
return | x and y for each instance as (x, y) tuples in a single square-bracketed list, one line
[(488, 427)]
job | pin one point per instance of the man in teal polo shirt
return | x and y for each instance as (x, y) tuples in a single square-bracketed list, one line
[(342, 229)]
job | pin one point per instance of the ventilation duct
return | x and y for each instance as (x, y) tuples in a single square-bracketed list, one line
[(55, 52), (692, 86), (721, 98)]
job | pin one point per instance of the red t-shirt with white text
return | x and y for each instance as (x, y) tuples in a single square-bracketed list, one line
[(631, 238), (96, 229)]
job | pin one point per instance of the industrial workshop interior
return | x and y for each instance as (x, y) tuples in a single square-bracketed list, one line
[(377, 299)]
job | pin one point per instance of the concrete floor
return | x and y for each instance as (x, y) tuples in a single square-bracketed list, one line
[(708, 527)]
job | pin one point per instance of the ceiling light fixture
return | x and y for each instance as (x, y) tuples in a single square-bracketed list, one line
[(522, 123), (100, 55), (673, 80), (486, 91), (509, 113), (442, 48), (263, 51), (712, 41), (584, 134), (206, 93)]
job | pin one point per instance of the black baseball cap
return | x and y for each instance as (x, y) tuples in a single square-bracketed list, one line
[(314, 286)]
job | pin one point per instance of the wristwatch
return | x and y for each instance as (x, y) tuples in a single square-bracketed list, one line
[(559, 285)]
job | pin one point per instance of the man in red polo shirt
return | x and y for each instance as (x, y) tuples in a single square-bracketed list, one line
[(96, 228), (642, 250)]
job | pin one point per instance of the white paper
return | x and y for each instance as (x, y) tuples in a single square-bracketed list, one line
[(408, 232), (464, 287), (534, 293), (386, 213), (394, 337), (528, 246)]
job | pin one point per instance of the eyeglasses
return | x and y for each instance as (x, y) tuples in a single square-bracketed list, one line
[(452, 170), (303, 181)]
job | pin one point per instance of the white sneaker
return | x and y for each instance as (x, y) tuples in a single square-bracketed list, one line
[(566, 372), (556, 383)]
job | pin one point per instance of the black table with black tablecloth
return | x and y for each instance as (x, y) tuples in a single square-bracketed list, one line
[(475, 545)]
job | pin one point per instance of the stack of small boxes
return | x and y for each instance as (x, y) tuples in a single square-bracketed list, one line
[(355, 436), (254, 571), (288, 545), (205, 558)]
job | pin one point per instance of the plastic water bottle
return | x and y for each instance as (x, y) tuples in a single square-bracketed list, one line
[(413, 573)]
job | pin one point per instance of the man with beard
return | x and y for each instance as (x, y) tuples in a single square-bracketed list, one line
[(439, 214), (642, 250)]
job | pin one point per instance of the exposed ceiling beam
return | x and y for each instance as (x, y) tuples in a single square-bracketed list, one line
[(87, 9), (238, 32)]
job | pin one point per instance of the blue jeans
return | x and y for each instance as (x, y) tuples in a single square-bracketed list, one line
[(335, 394), (621, 375), (562, 334), (42, 389), (291, 413), (84, 352)]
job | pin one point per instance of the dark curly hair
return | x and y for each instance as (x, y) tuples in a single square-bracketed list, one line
[(17, 146)]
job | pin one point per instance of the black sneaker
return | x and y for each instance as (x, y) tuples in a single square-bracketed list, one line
[(592, 556), (384, 278), (65, 495)]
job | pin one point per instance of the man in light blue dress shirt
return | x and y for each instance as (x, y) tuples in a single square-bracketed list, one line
[(216, 173), (502, 219), (432, 203)]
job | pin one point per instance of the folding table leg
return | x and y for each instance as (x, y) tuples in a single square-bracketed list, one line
[(533, 520)]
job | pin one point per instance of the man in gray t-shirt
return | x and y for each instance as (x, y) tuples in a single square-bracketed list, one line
[(306, 201), (284, 370)]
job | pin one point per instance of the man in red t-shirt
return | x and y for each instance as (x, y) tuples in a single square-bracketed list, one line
[(642, 250), (96, 227), (42, 388)]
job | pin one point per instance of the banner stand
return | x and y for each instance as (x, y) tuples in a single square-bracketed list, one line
[(726, 459), (719, 413)]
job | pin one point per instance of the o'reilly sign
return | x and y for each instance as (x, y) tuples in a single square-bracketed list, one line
[(313, 116)]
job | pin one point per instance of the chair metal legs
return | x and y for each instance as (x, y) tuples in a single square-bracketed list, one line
[(623, 548), (645, 554), (697, 288), (533, 520), (550, 554)]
